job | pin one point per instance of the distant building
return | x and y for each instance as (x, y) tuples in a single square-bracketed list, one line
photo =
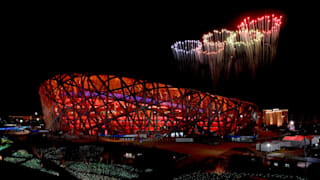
[(275, 116), (297, 141), (237, 138), (268, 146), (35, 121), (184, 140), (291, 126), (315, 140), (20, 119)]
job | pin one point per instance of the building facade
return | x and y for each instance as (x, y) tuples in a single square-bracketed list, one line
[(94, 104), (277, 117)]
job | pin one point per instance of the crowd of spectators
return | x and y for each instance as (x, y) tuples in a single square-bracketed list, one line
[(200, 175)]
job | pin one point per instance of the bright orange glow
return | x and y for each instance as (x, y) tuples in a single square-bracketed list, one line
[(97, 104)]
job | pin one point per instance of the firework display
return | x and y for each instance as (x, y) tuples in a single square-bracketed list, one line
[(253, 43), (95, 104)]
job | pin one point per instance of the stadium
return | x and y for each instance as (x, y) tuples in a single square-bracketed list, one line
[(101, 104)]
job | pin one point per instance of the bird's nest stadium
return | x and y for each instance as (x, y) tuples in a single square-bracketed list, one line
[(101, 104)]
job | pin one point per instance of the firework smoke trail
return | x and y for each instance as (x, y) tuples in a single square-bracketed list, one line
[(254, 43), (244, 47), (270, 28), (187, 52), (213, 52)]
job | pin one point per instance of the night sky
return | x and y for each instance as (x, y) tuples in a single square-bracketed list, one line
[(135, 42)]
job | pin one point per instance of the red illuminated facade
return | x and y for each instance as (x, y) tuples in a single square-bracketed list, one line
[(94, 104)]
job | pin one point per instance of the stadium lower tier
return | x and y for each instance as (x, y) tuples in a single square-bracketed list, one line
[(97, 104)]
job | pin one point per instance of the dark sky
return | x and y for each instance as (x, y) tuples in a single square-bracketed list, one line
[(135, 41)]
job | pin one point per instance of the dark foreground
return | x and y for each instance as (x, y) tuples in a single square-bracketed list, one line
[(39, 157)]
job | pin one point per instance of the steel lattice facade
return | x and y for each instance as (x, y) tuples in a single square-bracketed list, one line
[(95, 104)]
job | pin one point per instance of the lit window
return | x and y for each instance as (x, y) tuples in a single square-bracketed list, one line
[(287, 165)]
